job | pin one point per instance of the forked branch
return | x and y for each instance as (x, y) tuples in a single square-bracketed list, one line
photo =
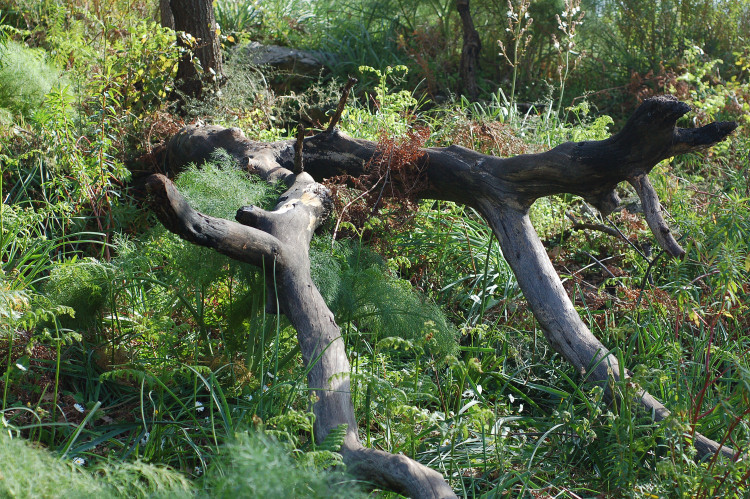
[(502, 189)]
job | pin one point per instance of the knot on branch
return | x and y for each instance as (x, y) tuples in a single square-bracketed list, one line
[(605, 200)]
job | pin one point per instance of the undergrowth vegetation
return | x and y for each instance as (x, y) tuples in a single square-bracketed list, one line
[(138, 365)]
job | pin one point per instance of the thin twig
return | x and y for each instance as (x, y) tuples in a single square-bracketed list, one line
[(600, 227), (342, 103), (600, 263), (299, 165), (624, 238)]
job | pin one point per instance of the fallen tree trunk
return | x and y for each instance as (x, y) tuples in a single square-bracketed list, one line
[(501, 189)]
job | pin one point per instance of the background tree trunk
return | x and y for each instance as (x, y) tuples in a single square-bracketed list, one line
[(196, 18), (165, 12), (470, 51)]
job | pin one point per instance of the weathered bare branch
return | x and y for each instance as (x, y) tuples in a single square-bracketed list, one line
[(236, 241), (654, 218), (502, 189), (278, 241), (299, 163)]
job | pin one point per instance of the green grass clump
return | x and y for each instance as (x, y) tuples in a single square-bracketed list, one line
[(25, 78), (30, 472), (256, 466), (84, 285)]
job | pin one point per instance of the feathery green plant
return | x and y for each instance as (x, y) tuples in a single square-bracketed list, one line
[(370, 303), (30, 472), (25, 78), (256, 465)]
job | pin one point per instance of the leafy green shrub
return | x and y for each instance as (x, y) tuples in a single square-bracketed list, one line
[(26, 247), (25, 78), (453, 256), (390, 111), (238, 15), (220, 188)]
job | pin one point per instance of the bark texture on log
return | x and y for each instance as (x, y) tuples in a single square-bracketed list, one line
[(501, 189)]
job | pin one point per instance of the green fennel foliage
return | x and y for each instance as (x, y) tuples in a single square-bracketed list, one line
[(258, 466), (25, 78), (29, 472), (368, 299)]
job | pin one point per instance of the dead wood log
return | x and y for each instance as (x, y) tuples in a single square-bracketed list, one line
[(501, 189), (278, 241)]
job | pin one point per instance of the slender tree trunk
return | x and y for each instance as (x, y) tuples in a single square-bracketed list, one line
[(165, 12), (470, 51), (195, 18)]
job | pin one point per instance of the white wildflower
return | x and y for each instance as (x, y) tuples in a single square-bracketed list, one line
[(79, 461), (199, 406), (79, 408)]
